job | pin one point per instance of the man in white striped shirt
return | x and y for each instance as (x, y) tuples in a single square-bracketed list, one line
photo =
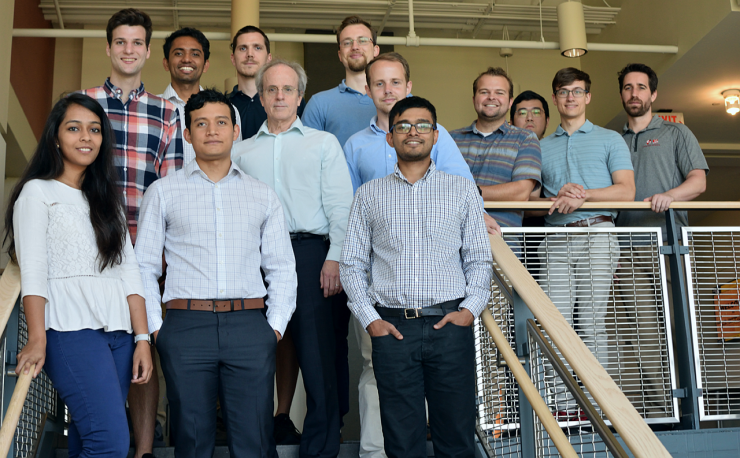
[(417, 268), (218, 229)]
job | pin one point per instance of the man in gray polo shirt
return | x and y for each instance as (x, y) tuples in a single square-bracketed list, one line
[(669, 166), (581, 162)]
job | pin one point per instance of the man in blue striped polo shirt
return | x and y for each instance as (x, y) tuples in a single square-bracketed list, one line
[(504, 160), (581, 163)]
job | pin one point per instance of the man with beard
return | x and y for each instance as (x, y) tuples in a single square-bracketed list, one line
[(505, 160), (346, 109), (342, 111), (186, 54), (417, 267), (250, 50), (669, 166)]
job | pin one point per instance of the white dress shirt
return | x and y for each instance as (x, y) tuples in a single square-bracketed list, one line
[(187, 148), (215, 237), (307, 169), (58, 257)]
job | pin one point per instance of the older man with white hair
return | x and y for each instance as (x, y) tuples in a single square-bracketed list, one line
[(307, 170)]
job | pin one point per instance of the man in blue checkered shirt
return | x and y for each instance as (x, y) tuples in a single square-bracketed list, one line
[(417, 268)]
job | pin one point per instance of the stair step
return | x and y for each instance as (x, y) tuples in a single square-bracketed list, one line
[(346, 450)]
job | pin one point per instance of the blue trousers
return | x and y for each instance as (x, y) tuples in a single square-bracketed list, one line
[(91, 370), (438, 365)]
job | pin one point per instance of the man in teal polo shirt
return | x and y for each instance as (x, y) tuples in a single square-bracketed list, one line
[(581, 163)]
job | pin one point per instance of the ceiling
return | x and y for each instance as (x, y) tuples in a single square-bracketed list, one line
[(467, 18)]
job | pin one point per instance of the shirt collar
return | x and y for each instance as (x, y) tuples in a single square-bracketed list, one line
[(504, 128), (297, 125), (192, 168), (585, 128), (117, 93), (171, 95), (236, 91), (655, 123), (344, 88), (432, 168), (374, 126)]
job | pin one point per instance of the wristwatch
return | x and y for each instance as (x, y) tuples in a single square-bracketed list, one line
[(146, 337)]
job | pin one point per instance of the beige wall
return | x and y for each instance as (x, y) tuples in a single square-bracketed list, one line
[(445, 75), (96, 64)]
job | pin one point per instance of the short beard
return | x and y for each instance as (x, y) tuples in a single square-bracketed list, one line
[(357, 65), (637, 111)]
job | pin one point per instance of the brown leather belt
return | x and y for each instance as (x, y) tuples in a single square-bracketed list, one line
[(216, 306), (591, 221)]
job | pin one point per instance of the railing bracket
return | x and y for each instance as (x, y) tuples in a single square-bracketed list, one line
[(680, 393), (668, 250)]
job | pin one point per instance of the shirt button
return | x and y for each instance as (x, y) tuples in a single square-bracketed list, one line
[(220, 234), (218, 209), (125, 168), (217, 185), (221, 291)]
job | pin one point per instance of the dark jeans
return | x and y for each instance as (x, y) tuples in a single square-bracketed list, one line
[(91, 370), (230, 357), (312, 326), (438, 365)]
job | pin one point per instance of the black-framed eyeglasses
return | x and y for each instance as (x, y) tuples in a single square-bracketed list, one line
[(577, 93), (405, 127), (522, 112)]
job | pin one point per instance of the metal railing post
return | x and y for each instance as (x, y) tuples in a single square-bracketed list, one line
[(526, 414), (684, 347)]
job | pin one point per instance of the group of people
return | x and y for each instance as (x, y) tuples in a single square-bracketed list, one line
[(260, 223)]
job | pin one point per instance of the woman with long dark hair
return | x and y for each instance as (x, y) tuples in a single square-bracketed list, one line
[(80, 282)]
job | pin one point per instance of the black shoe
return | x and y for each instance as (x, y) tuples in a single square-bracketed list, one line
[(285, 432), (147, 455)]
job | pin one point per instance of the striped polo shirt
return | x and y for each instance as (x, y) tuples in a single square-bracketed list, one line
[(506, 155), (588, 157)]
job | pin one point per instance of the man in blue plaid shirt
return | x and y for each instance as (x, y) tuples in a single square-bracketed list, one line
[(417, 268)]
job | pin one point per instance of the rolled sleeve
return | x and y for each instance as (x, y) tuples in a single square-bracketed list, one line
[(131, 275), (30, 222)]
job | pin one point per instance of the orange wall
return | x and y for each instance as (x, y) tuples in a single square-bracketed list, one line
[(32, 65)]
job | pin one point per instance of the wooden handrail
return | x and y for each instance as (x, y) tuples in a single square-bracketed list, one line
[(543, 205), (10, 288), (15, 407), (565, 448), (638, 436)]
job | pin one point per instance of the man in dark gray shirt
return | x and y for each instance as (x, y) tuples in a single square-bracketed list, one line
[(669, 166)]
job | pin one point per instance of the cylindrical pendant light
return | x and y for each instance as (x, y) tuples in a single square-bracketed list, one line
[(572, 29)]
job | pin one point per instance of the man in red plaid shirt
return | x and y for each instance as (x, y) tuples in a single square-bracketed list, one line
[(148, 147)]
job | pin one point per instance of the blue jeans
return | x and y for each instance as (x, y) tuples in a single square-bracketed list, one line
[(91, 370), (431, 363)]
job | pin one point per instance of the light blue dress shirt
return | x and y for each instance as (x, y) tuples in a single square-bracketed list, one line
[(341, 111), (307, 170), (369, 156)]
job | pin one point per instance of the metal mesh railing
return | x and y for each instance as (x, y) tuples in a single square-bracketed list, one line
[(635, 343), (586, 442), (41, 403), (497, 423), (713, 270)]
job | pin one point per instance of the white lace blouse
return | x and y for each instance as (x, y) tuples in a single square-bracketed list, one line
[(57, 253)]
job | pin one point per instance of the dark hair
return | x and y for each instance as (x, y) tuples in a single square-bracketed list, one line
[(208, 95), (389, 57), (494, 71), (250, 29), (356, 20), (528, 95), (566, 76), (412, 102), (642, 68), (187, 32), (131, 17), (98, 182)]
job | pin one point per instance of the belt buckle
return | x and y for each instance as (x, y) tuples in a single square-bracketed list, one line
[(213, 303), (410, 314)]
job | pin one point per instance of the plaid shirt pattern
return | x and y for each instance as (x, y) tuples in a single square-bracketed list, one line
[(148, 144)]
